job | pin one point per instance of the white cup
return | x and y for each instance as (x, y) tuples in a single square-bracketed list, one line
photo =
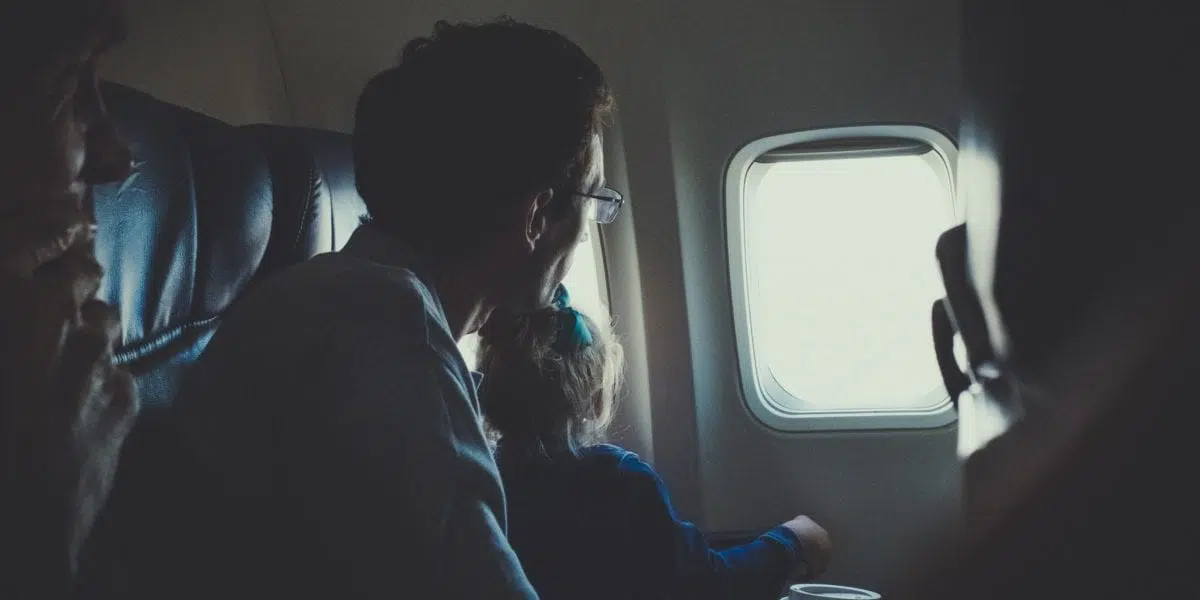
[(825, 591)]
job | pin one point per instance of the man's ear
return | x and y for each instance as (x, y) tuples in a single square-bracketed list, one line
[(537, 219)]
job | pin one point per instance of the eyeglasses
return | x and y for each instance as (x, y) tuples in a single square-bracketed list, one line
[(608, 204)]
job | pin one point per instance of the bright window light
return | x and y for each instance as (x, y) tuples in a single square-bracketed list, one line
[(584, 283), (840, 276)]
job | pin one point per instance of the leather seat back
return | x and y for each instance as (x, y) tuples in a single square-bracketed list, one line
[(209, 210), (319, 164), (181, 237)]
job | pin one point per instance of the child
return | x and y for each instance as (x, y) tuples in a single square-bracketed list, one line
[(591, 520)]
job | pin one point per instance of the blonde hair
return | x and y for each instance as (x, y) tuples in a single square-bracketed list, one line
[(540, 398)]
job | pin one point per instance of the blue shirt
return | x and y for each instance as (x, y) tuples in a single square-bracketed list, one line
[(339, 432), (601, 526)]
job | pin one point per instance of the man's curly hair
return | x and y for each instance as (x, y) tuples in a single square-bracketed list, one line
[(472, 117)]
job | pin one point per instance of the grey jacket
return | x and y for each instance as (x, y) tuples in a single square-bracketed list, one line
[(333, 405)]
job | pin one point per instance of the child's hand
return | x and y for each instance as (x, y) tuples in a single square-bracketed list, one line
[(815, 544)]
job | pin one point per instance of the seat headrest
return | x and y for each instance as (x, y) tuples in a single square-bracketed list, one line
[(300, 194), (312, 164), (184, 234), (209, 210)]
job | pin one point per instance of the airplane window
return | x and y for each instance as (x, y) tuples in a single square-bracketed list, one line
[(583, 281), (837, 253)]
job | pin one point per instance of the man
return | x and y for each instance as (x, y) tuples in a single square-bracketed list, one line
[(332, 412), (65, 408)]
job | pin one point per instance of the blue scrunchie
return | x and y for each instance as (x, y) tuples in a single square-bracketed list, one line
[(573, 333)]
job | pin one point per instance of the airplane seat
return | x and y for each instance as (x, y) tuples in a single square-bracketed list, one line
[(209, 210), (334, 154), (328, 157), (181, 237), (302, 210)]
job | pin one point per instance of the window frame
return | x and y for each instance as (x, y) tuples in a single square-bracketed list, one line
[(757, 391)]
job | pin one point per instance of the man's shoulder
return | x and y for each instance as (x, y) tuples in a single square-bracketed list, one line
[(341, 275), (346, 288)]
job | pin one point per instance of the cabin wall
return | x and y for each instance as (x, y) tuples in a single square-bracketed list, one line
[(214, 56), (737, 74)]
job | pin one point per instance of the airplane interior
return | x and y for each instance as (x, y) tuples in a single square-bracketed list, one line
[(790, 169)]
